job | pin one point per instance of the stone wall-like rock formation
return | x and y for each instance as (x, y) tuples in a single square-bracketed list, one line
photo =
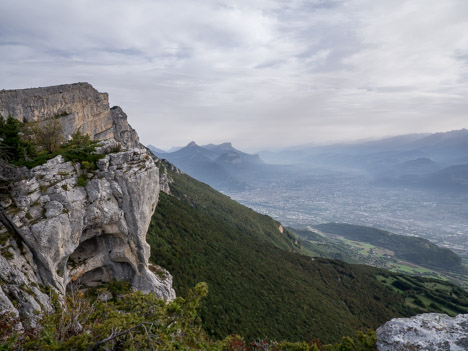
[(59, 222), (79, 107), (428, 332)]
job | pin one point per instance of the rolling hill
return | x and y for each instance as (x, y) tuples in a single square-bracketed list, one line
[(413, 249)]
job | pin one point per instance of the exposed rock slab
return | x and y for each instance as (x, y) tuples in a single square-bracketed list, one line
[(428, 332), (79, 105), (123, 132)]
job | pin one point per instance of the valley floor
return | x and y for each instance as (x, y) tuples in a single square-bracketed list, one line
[(333, 197)]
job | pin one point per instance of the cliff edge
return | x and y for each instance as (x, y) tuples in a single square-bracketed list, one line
[(61, 222), (79, 106)]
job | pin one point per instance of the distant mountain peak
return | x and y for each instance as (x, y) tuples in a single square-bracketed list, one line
[(192, 144), (219, 147)]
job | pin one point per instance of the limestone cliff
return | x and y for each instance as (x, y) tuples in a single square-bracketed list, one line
[(59, 221), (79, 106), (122, 131)]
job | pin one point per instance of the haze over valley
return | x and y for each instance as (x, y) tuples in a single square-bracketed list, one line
[(413, 185)]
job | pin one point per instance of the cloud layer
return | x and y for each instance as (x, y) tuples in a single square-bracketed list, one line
[(258, 73)]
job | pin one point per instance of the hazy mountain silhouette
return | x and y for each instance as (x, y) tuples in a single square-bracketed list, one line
[(419, 166), (448, 147), (452, 179), (221, 166), (413, 160), (155, 150)]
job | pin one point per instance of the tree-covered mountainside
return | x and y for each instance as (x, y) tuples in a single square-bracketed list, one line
[(260, 287), (316, 245), (413, 249)]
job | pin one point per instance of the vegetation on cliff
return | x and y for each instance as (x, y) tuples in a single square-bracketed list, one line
[(32, 144), (113, 317)]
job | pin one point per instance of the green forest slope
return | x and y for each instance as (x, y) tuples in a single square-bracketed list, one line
[(259, 287)]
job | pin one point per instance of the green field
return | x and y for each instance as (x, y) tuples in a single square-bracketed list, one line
[(425, 293), (353, 251), (415, 250)]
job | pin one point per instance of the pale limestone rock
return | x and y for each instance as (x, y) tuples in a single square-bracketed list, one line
[(20, 291), (79, 105), (164, 179), (52, 229), (428, 332), (96, 232), (123, 132)]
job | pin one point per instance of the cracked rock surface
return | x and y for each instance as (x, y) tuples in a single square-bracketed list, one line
[(428, 332), (53, 229), (79, 107)]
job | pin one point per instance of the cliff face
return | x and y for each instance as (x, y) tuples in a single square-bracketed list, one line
[(79, 106), (59, 222)]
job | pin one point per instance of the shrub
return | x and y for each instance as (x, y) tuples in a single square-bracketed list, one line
[(48, 134), (32, 144), (13, 147), (134, 321)]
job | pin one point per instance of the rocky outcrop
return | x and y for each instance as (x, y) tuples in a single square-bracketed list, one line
[(123, 132), (164, 179), (61, 222), (78, 106), (428, 332)]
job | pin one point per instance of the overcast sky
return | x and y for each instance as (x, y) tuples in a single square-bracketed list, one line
[(259, 73)]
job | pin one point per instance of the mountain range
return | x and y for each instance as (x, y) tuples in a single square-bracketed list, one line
[(221, 166), (435, 162), (444, 147)]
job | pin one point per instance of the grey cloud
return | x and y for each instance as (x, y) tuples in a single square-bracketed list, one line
[(258, 73)]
